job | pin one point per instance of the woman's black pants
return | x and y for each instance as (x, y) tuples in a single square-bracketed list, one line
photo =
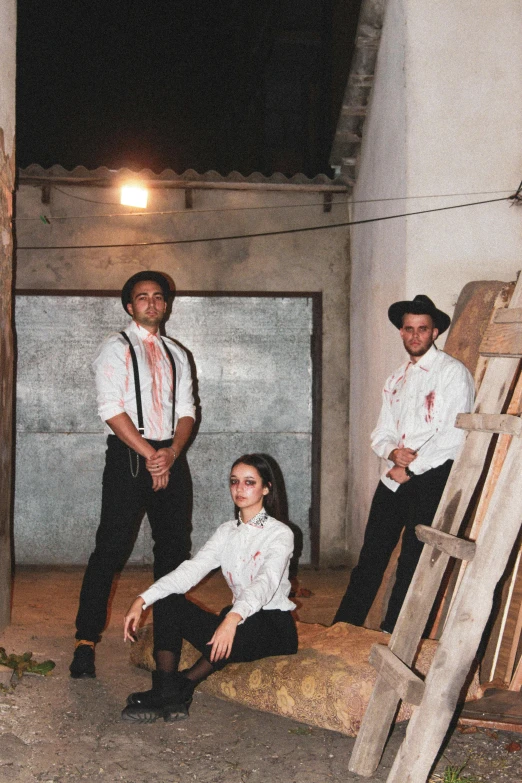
[(267, 632)]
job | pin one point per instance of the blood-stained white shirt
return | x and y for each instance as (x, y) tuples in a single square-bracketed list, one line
[(115, 381), (420, 403), (254, 561)]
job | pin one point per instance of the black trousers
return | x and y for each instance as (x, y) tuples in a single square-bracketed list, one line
[(414, 503), (124, 498), (267, 632)]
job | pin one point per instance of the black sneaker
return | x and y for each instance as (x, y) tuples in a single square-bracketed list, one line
[(83, 660)]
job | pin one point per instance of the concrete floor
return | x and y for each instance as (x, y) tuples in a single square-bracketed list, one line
[(57, 729)]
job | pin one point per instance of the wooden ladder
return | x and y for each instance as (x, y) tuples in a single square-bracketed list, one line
[(486, 558)]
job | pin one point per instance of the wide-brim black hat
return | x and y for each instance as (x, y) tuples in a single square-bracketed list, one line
[(139, 277), (421, 305)]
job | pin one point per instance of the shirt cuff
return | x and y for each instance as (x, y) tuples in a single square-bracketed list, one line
[(242, 608), (385, 450), (109, 410), (188, 410)]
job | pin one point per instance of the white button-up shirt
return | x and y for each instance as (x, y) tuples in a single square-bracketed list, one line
[(115, 381), (420, 403), (254, 561)]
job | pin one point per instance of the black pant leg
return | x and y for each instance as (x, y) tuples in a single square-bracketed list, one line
[(422, 496), (122, 501), (184, 620), (169, 511), (265, 633), (380, 539)]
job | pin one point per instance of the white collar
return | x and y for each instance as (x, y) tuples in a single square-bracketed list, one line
[(257, 521)]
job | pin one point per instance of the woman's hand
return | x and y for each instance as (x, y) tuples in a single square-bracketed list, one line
[(223, 637), (132, 618)]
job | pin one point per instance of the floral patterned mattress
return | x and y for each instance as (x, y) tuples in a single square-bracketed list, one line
[(327, 684)]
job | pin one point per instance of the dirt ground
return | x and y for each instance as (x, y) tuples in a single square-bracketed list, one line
[(58, 729)]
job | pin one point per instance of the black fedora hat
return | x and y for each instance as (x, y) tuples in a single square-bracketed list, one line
[(421, 305), (139, 277)]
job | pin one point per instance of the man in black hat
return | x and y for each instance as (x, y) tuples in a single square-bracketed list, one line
[(415, 433), (144, 388)]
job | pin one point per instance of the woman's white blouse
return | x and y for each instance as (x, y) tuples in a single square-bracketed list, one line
[(254, 561)]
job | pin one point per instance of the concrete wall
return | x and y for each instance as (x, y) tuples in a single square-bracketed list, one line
[(445, 118), (313, 261), (7, 172)]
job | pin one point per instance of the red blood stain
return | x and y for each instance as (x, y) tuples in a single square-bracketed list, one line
[(429, 403), (230, 579), (127, 368), (256, 555)]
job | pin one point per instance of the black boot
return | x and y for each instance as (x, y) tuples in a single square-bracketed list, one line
[(169, 698), (83, 661), (147, 698)]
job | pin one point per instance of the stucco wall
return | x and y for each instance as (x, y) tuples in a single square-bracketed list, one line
[(7, 171), (314, 261), (445, 118)]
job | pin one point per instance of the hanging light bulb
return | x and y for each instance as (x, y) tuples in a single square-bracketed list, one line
[(134, 196)]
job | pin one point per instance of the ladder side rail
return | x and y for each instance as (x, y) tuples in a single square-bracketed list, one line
[(462, 634)]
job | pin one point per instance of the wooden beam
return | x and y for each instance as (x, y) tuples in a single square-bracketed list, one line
[(502, 423), (502, 339), (508, 315), (407, 685), (451, 545)]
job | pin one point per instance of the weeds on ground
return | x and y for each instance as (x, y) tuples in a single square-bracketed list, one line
[(25, 663), (453, 774)]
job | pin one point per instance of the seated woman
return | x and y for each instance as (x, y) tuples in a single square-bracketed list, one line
[(254, 552)]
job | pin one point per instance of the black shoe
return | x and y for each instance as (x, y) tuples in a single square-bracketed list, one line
[(169, 712), (83, 661), (147, 698), (169, 698)]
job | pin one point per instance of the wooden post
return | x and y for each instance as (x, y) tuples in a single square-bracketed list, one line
[(6, 386)]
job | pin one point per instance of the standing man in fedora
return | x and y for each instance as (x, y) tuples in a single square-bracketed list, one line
[(416, 435), (144, 388)]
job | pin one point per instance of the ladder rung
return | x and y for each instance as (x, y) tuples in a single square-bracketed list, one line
[(451, 545), (502, 339), (508, 315), (407, 685), (490, 422)]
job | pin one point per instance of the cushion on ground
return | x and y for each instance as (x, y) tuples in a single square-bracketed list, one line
[(327, 684)]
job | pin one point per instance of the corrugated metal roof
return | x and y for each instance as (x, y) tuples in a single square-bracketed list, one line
[(105, 176)]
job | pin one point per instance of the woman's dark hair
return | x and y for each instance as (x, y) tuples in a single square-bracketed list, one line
[(263, 464)]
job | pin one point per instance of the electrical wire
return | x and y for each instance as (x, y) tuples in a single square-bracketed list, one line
[(515, 197), (342, 202)]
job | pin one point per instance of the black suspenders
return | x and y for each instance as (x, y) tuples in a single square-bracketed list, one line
[(137, 388)]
